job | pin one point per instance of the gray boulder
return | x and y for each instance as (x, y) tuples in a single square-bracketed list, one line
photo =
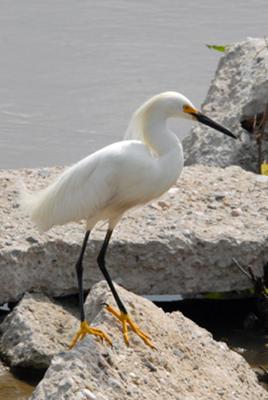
[(3, 369), (187, 365), (182, 243), (35, 331), (238, 91)]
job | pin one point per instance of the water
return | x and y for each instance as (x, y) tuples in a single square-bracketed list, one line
[(72, 71), (12, 388), (226, 320), (18, 384)]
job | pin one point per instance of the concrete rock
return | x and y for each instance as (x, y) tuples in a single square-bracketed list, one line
[(35, 331), (3, 369), (188, 364), (238, 91), (183, 243)]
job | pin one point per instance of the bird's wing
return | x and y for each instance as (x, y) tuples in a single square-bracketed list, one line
[(103, 185), (76, 194)]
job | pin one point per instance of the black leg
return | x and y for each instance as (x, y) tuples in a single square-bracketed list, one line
[(79, 272), (101, 263)]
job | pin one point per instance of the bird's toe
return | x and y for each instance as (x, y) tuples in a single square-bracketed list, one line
[(86, 329), (127, 323)]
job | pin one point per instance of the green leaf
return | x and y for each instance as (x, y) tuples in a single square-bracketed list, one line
[(216, 47)]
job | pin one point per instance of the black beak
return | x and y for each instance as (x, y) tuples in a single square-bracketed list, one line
[(209, 122)]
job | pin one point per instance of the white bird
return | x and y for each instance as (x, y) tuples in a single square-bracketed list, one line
[(107, 183)]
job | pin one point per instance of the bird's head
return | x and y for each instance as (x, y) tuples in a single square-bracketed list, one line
[(176, 105)]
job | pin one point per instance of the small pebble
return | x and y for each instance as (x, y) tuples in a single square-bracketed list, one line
[(213, 206), (86, 394), (31, 239), (114, 383), (163, 204), (219, 195), (236, 212), (150, 366)]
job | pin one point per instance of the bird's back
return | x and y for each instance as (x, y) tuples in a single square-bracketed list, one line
[(99, 186)]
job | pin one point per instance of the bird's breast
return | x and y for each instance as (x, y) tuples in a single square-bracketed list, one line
[(144, 178)]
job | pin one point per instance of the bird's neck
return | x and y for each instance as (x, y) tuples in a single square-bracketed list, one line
[(166, 147), (157, 136)]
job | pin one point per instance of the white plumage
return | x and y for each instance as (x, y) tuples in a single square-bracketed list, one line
[(120, 176), (114, 179), (105, 184)]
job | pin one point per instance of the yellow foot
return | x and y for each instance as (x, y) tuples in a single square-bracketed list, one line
[(85, 329), (125, 320)]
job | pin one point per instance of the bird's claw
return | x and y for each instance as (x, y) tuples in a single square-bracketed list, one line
[(126, 321), (85, 329)]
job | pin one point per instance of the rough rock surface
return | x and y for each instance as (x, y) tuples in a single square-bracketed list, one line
[(3, 368), (238, 90), (35, 331), (182, 243), (187, 365)]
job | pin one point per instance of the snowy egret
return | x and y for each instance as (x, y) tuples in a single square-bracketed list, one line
[(104, 185)]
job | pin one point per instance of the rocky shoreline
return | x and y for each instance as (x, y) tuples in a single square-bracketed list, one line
[(187, 364), (183, 243), (238, 92), (189, 236)]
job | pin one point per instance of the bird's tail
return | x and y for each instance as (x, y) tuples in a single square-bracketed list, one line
[(36, 205)]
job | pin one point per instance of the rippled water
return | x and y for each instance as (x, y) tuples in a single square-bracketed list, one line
[(72, 71)]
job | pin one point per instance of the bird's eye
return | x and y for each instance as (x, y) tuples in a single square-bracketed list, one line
[(187, 108)]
